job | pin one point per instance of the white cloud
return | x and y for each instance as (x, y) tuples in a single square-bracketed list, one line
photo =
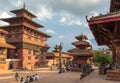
[(3, 23), (15, 2), (85, 24), (45, 9), (94, 13), (63, 20), (61, 37), (4, 15), (44, 13), (70, 20), (50, 31)]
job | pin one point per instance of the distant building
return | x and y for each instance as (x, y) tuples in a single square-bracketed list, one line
[(53, 58), (23, 33)]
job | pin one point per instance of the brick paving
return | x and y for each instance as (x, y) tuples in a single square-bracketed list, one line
[(54, 77)]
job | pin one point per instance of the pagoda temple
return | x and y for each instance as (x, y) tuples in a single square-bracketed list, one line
[(82, 53), (106, 30), (4, 62), (23, 33)]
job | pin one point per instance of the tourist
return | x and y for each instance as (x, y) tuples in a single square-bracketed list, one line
[(51, 68), (27, 79), (33, 78), (16, 76), (36, 76), (21, 80)]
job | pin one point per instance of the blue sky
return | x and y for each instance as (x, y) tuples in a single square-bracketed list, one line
[(62, 19)]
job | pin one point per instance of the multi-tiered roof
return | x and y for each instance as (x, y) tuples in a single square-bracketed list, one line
[(23, 18), (82, 47)]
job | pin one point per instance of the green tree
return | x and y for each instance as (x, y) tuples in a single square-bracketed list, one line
[(101, 58)]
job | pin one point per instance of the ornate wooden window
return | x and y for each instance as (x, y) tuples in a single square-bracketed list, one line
[(1, 51), (29, 51), (29, 57)]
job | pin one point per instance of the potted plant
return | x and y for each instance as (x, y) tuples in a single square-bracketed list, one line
[(102, 58)]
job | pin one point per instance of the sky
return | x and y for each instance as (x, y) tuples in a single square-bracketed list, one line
[(62, 19)]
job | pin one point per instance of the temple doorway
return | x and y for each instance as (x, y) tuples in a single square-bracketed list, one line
[(11, 65)]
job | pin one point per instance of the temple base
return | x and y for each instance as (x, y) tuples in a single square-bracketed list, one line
[(113, 74)]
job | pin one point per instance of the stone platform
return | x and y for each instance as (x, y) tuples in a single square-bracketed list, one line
[(113, 74)]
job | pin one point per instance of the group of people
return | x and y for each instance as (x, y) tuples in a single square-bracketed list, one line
[(28, 78)]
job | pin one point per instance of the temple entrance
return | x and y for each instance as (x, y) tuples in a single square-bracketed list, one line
[(11, 65)]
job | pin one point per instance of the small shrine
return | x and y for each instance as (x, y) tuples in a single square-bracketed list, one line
[(82, 53)]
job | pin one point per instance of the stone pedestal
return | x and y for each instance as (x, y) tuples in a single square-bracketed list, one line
[(113, 74), (101, 70)]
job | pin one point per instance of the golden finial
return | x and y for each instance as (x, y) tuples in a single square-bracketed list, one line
[(24, 7)]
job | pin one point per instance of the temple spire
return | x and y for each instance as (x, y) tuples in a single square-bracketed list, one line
[(24, 6)]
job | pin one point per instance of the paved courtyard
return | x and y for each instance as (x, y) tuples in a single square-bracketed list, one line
[(54, 77)]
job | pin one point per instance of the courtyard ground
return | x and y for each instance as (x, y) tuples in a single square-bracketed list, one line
[(54, 77)]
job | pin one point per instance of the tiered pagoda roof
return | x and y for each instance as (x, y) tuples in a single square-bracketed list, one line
[(23, 18), (81, 43), (20, 25), (81, 46), (78, 52), (17, 12), (81, 37)]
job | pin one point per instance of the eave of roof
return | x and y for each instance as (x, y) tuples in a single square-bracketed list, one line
[(9, 20), (115, 16), (26, 26), (18, 10)]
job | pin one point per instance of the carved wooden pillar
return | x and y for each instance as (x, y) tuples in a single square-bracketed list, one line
[(113, 56), (116, 46)]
